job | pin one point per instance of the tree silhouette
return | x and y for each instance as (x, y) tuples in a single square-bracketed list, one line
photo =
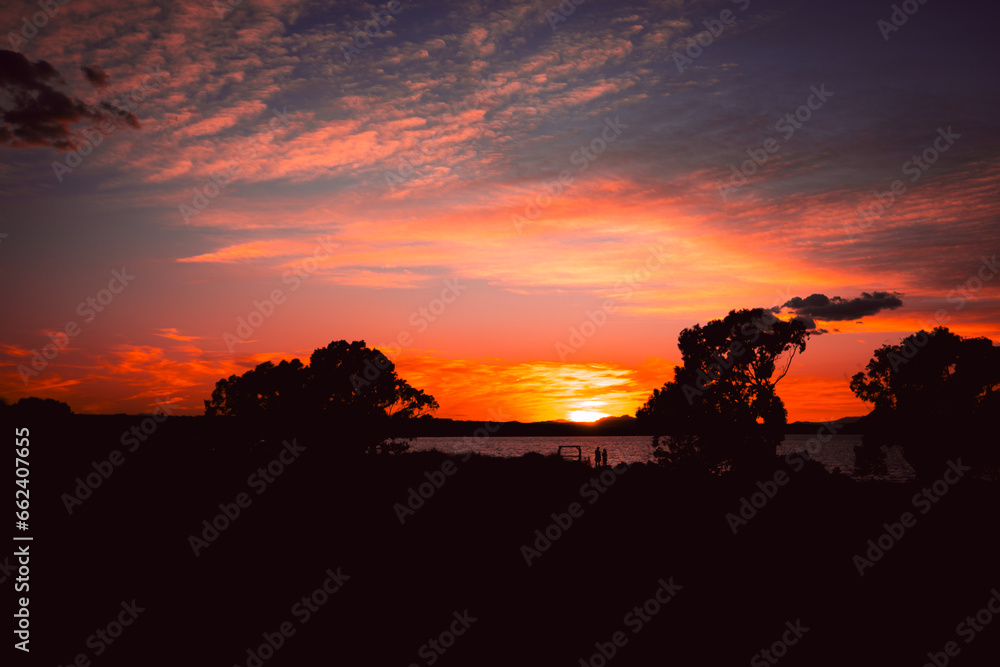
[(347, 389), (721, 410), (32, 407), (935, 395), (267, 391)]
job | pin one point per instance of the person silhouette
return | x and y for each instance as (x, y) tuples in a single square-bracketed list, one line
[(597, 457), (604, 457)]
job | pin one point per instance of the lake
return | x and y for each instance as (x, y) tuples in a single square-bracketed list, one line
[(838, 452)]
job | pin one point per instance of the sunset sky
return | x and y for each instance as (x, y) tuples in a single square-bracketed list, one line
[(404, 189)]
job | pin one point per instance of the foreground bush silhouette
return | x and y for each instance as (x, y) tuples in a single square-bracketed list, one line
[(348, 392)]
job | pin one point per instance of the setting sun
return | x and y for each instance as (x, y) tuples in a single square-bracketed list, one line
[(586, 416)]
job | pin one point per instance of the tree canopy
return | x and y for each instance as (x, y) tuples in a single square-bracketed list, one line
[(32, 407), (346, 387), (721, 410), (935, 395)]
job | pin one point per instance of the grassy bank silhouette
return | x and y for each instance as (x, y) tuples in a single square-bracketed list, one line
[(463, 550)]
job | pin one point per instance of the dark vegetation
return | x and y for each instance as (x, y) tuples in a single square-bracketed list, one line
[(936, 396), (721, 410), (338, 504)]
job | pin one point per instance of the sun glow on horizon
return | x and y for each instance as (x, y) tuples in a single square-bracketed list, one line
[(586, 416)]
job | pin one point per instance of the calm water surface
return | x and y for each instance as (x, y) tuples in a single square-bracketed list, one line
[(838, 452)]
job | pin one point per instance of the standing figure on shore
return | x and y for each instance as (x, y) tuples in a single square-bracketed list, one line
[(597, 457), (604, 457)]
